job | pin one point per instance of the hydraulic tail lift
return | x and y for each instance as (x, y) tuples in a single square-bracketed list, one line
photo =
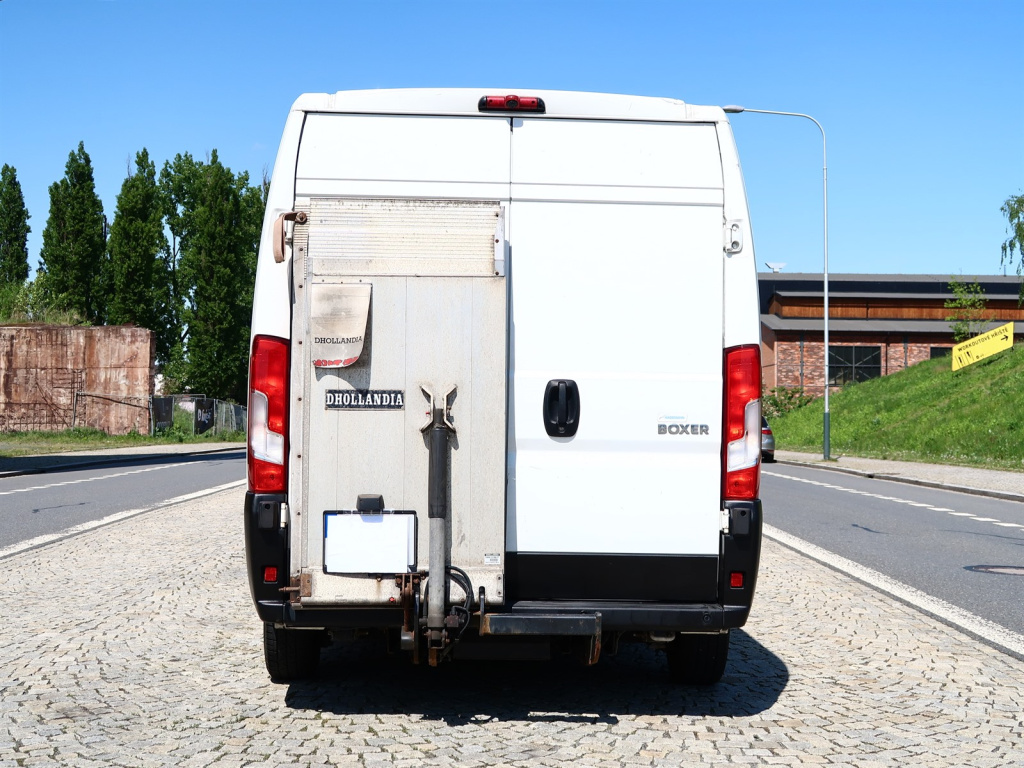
[(444, 624)]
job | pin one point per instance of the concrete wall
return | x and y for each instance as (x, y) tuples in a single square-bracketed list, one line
[(42, 367)]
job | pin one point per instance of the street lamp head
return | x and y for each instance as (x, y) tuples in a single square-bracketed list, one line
[(733, 109)]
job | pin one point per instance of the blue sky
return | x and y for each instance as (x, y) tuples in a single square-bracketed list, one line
[(922, 102)]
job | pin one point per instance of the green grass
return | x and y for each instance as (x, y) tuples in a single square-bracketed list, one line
[(14, 444), (973, 417)]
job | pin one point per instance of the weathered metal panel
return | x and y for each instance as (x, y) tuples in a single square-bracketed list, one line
[(55, 377)]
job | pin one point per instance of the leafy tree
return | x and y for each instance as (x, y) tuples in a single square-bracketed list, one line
[(137, 249), (1013, 209), (215, 218), (73, 272), (14, 229), (968, 316)]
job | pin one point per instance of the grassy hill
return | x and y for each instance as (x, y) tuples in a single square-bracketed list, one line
[(924, 413)]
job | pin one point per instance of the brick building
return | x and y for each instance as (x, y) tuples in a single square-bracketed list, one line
[(878, 324)]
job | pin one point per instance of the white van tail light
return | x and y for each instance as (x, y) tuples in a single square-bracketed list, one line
[(741, 439), (268, 415)]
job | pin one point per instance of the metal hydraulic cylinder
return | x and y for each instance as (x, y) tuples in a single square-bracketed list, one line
[(437, 513)]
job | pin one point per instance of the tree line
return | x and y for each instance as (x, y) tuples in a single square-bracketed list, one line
[(179, 258)]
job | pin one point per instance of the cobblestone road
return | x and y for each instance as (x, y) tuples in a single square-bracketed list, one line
[(136, 645)]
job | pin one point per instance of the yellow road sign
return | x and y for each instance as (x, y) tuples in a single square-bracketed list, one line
[(980, 347)]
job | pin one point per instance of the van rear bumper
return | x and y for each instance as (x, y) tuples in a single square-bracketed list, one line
[(740, 553), (626, 616), (615, 617)]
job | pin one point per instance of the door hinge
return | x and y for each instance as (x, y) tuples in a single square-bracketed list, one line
[(733, 236)]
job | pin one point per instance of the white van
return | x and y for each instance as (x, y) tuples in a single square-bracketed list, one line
[(504, 391)]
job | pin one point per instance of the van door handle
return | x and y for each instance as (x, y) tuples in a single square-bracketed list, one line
[(561, 408), (299, 217)]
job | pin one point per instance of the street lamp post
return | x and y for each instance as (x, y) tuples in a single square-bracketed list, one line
[(733, 109)]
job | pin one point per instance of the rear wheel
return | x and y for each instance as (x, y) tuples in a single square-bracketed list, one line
[(291, 654), (698, 659)]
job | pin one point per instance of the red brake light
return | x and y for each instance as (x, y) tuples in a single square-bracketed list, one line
[(511, 103), (736, 579), (268, 415), (270, 574), (741, 434)]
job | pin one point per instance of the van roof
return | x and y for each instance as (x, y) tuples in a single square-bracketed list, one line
[(463, 101)]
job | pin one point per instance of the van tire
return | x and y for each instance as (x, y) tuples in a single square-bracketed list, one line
[(290, 654), (698, 659)]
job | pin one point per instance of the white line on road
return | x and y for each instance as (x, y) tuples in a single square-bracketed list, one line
[(968, 515), (93, 479), (988, 631), (39, 541)]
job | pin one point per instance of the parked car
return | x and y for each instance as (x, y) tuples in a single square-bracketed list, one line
[(767, 442)]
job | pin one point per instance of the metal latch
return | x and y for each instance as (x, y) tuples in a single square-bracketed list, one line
[(500, 244)]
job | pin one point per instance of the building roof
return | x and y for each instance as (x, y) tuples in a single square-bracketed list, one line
[(881, 327), (903, 287), (891, 295)]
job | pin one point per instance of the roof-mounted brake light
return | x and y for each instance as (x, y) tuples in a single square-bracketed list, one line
[(511, 103)]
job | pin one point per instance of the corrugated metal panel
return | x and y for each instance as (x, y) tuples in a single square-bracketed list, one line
[(55, 377), (403, 237)]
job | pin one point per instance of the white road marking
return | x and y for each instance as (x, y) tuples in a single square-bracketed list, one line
[(991, 632), (93, 479), (39, 541), (896, 499)]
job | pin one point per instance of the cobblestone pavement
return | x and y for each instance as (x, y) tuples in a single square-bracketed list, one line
[(136, 645)]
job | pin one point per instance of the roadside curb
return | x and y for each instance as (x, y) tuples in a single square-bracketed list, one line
[(1004, 495), (110, 460)]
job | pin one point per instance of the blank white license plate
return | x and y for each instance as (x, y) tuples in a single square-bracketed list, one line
[(360, 543)]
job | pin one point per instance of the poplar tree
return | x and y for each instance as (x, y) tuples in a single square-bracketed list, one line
[(14, 229), (137, 248), (73, 271), (214, 217)]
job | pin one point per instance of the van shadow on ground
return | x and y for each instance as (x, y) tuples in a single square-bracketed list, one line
[(362, 679)]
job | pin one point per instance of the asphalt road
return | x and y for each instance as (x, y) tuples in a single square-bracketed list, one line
[(963, 549), (966, 550), (44, 504)]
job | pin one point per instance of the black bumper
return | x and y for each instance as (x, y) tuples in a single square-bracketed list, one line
[(266, 545), (714, 606)]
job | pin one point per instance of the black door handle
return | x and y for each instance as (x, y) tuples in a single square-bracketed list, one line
[(561, 408)]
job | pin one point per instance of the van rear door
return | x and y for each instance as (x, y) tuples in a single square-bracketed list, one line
[(616, 232), (400, 301)]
